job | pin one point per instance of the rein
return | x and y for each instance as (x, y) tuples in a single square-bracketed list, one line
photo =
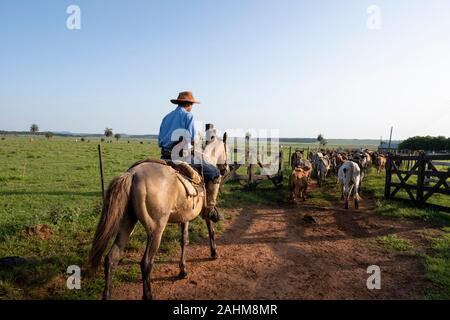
[(204, 183)]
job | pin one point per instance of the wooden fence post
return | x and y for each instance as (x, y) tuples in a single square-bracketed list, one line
[(281, 166), (250, 174), (387, 186), (420, 179), (101, 169), (290, 154)]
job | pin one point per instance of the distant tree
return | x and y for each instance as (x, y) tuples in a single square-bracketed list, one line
[(108, 132), (117, 136), (323, 142), (320, 137), (102, 139), (82, 139), (49, 135), (34, 128)]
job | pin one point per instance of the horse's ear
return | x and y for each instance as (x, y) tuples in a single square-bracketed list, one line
[(224, 139)]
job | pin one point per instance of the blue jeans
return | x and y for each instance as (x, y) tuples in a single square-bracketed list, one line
[(210, 172)]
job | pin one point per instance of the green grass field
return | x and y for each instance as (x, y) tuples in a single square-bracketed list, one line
[(56, 183)]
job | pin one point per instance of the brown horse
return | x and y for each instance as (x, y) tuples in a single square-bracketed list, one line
[(152, 194)]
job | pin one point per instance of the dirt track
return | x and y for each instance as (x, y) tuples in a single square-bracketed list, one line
[(272, 253)]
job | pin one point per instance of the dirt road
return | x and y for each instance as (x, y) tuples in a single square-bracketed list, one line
[(273, 253)]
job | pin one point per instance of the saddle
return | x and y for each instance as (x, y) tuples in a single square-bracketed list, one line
[(191, 179)]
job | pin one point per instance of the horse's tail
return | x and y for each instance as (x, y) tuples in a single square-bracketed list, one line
[(114, 206)]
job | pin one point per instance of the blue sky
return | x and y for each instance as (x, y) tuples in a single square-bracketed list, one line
[(303, 67)]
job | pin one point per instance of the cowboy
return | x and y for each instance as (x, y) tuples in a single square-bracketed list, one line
[(181, 120)]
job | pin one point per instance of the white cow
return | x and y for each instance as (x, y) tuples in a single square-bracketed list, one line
[(322, 169), (349, 176), (321, 166)]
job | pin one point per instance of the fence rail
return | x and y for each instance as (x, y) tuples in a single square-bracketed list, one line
[(430, 180), (251, 179)]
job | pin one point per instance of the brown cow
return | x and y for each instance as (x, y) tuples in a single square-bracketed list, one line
[(296, 158), (298, 183), (380, 163)]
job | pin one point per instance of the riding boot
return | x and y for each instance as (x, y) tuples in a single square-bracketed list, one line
[(212, 191)]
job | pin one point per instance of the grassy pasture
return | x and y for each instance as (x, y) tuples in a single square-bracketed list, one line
[(56, 183)]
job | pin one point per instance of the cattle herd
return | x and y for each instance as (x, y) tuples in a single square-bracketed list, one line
[(348, 167)]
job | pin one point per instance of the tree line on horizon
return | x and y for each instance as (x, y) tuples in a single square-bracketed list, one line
[(427, 143), (417, 143)]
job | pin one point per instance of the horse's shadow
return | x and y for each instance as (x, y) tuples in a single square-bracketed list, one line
[(174, 278), (195, 260), (166, 279)]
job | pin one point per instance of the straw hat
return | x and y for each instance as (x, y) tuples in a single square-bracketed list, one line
[(185, 96)]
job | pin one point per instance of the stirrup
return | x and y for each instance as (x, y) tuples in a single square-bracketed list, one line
[(213, 214)]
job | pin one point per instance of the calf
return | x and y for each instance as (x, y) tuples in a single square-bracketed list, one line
[(349, 176), (323, 166), (298, 183), (296, 159), (380, 163), (369, 159)]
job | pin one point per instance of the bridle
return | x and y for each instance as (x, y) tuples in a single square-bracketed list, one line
[(224, 166)]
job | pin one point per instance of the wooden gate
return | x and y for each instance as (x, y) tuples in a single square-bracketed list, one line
[(251, 179), (428, 178)]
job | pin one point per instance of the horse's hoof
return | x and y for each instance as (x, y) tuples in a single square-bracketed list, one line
[(106, 296), (214, 255), (182, 275)]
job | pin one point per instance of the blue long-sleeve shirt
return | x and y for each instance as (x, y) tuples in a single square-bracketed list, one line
[(177, 119)]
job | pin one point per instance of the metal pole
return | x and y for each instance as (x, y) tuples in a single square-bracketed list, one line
[(390, 139), (101, 169)]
